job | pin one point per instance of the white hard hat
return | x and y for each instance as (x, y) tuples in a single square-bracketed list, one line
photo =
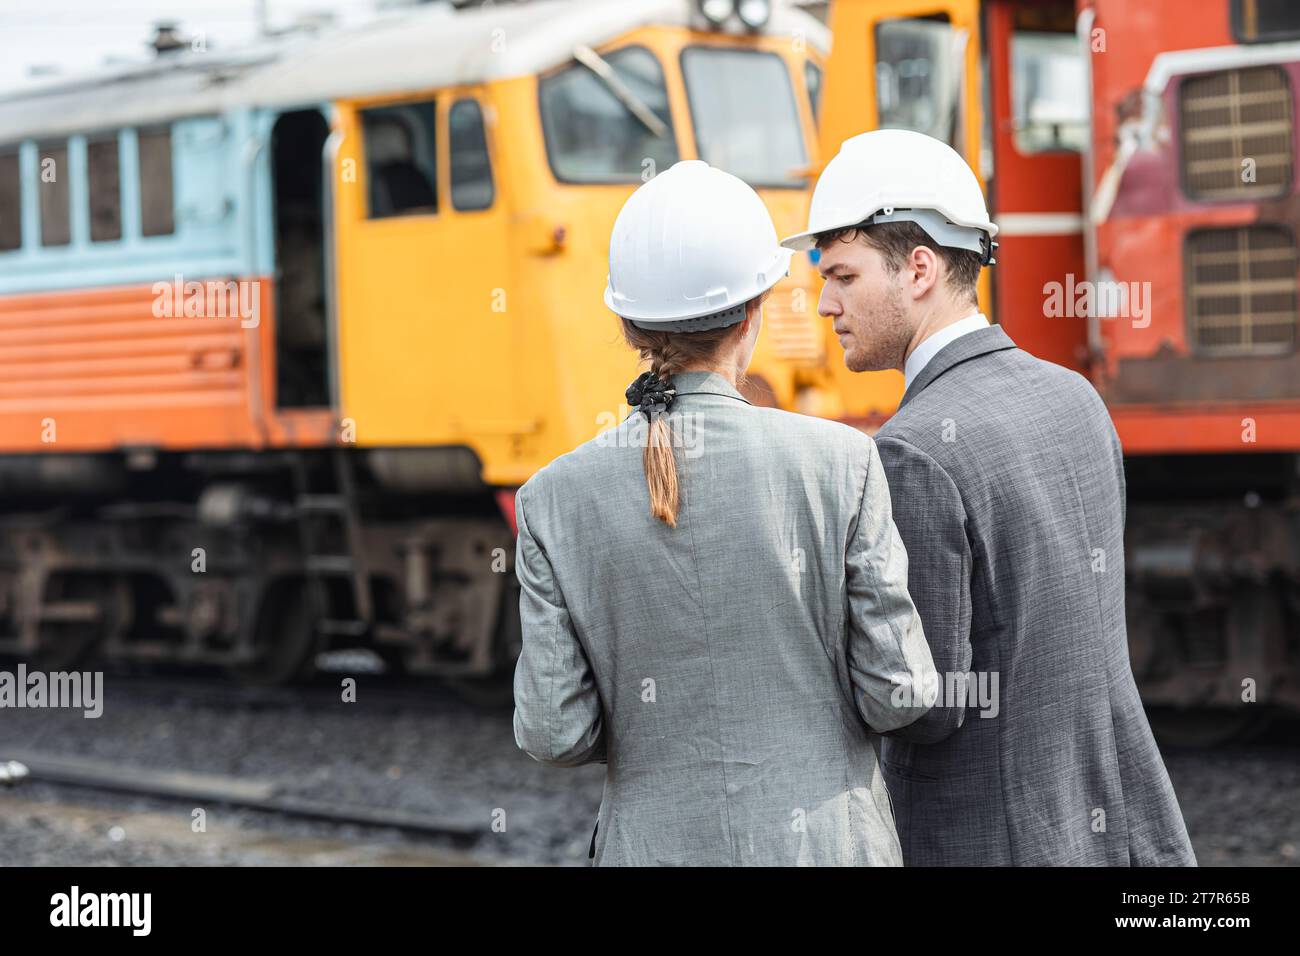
[(689, 249), (893, 175)]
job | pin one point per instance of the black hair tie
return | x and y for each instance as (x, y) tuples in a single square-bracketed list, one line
[(650, 393)]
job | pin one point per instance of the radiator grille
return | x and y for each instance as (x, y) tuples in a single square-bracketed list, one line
[(1236, 125), (1241, 290)]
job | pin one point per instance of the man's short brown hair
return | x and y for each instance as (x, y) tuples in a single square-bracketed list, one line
[(895, 242)]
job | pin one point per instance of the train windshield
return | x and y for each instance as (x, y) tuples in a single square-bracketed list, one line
[(745, 116), (606, 119)]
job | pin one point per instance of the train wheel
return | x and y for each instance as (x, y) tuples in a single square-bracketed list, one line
[(497, 689), (284, 636), (77, 606)]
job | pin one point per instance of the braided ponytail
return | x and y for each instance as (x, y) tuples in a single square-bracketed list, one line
[(668, 354)]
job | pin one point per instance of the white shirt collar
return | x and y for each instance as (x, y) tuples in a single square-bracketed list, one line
[(931, 345)]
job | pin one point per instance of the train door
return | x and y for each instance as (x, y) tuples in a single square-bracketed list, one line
[(1040, 100), (301, 287), (426, 314)]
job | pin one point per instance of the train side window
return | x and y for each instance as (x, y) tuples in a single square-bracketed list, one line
[(1265, 21), (52, 188), (471, 166), (400, 167), (812, 76), (1049, 92), (612, 128), (157, 215), (11, 218), (105, 197)]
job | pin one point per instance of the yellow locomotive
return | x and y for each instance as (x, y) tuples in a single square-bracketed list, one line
[(286, 328)]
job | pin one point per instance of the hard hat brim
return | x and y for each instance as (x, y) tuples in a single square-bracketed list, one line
[(780, 269), (802, 241)]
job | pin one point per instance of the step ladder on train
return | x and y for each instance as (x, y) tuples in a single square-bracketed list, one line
[(333, 549)]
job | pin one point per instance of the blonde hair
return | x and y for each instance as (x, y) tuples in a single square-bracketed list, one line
[(669, 353)]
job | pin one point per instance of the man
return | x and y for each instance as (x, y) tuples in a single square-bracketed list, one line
[(1007, 480)]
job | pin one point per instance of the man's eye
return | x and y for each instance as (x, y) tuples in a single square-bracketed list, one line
[(845, 279)]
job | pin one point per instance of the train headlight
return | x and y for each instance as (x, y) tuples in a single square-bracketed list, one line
[(754, 13), (717, 11)]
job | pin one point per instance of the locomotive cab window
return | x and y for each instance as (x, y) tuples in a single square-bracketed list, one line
[(920, 82), (605, 127), (745, 116), (471, 166), (52, 188), (11, 218), (401, 171)]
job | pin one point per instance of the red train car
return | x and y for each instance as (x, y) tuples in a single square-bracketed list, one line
[(1140, 160)]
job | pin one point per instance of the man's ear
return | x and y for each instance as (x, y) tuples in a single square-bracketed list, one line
[(922, 270)]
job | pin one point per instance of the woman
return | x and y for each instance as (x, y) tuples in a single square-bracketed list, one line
[(724, 627)]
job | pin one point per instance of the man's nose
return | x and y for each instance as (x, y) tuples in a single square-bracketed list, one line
[(826, 304)]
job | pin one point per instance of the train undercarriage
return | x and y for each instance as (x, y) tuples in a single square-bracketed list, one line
[(256, 563), (1213, 598)]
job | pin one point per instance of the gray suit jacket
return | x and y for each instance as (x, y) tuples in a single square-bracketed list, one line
[(730, 670), (1008, 486)]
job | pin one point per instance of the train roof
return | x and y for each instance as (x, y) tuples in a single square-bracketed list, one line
[(424, 48)]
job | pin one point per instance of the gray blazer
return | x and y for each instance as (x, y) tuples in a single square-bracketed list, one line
[(1008, 486), (729, 671)]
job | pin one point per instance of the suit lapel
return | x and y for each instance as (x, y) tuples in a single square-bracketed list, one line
[(969, 346)]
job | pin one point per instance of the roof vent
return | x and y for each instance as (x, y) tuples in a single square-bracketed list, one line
[(167, 38)]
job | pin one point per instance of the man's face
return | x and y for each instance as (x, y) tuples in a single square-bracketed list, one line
[(865, 303)]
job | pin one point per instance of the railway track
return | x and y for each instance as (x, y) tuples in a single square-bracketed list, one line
[(225, 790), (375, 693)]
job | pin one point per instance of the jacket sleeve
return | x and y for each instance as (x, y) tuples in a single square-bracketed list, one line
[(557, 707), (932, 521), (888, 661)]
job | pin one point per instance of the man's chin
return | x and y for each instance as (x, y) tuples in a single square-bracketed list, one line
[(855, 360)]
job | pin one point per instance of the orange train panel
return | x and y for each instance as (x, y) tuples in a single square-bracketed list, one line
[(98, 369)]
